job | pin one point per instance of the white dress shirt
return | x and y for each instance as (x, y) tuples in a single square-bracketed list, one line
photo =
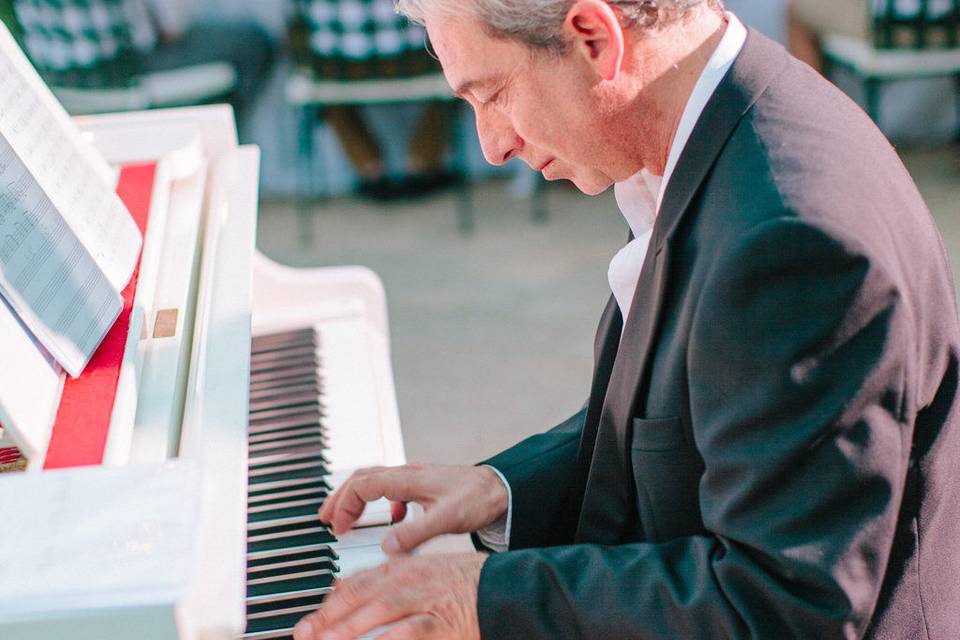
[(639, 198)]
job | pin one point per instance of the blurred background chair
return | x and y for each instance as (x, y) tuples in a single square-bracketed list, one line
[(352, 54), (879, 41), (115, 55)]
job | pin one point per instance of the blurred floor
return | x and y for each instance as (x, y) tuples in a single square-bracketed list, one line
[(492, 333)]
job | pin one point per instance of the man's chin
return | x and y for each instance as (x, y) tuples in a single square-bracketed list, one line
[(591, 188)]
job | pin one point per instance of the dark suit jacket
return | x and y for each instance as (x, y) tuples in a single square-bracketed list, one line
[(772, 450)]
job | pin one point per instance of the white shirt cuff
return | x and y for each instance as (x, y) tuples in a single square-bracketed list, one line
[(496, 536)]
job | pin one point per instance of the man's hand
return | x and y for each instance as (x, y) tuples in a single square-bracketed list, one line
[(454, 500), (422, 597)]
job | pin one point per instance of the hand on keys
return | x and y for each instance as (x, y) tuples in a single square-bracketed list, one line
[(455, 499)]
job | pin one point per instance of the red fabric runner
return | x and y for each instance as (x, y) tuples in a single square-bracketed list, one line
[(83, 419)]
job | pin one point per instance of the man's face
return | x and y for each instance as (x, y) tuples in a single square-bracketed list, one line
[(550, 111)]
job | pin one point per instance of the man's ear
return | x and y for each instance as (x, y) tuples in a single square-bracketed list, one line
[(595, 31)]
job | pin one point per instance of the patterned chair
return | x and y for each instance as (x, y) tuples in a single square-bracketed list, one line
[(910, 39), (359, 53), (90, 52)]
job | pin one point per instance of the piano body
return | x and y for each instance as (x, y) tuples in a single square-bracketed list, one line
[(247, 392)]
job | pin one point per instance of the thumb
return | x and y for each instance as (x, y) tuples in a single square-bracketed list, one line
[(411, 534)]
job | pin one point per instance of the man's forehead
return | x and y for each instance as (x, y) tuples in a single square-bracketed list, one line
[(469, 56)]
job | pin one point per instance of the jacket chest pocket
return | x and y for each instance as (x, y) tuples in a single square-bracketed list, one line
[(667, 471)]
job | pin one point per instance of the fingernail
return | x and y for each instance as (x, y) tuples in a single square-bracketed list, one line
[(390, 544), (329, 635), (303, 630)]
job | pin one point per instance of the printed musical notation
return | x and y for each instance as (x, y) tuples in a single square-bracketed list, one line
[(67, 244)]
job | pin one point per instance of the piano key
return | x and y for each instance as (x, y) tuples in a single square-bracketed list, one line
[(281, 363), (286, 374), (280, 574), (267, 416), (282, 524), (281, 496), (286, 445), (282, 563), (272, 384), (308, 387), (295, 581), (301, 508), (289, 474), (315, 451), (265, 488), (281, 401), (272, 341), (280, 634), (288, 539), (255, 558), (283, 353), (262, 604), (285, 434), (283, 619), (304, 420)]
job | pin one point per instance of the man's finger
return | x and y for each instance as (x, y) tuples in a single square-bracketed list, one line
[(400, 484), (349, 594), (404, 537), (376, 613)]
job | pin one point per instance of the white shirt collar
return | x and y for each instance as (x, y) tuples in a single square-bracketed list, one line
[(640, 196)]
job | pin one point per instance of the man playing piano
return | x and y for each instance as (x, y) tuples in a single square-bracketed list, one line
[(770, 444)]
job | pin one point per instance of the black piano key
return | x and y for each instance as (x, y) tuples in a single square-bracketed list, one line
[(286, 568), (289, 445), (283, 353), (259, 558), (280, 511), (286, 495), (283, 434), (284, 401), (312, 412), (302, 454), (282, 620), (272, 394), (281, 364), (291, 538), (291, 474), (293, 582), (310, 419), (264, 489), (291, 561), (307, 468), (282, 524), (285, 374), (272, 384), (264, 342), (304, 597)]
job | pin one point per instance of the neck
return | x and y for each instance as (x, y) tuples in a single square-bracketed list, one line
[(679, 56)]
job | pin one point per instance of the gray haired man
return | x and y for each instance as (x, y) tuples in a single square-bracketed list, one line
[(770, 443)]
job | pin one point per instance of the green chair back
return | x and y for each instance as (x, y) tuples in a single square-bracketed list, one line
[(915, 24)]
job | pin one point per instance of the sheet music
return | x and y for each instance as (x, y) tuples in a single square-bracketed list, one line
[(46, 274), (67, 244), (60, 160)]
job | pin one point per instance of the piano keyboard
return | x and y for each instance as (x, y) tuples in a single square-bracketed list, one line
[(291, 564)]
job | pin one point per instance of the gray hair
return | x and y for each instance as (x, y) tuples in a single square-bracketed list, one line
[(538, 23)]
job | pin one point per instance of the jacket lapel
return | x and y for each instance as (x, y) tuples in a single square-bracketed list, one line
[(608, 501)]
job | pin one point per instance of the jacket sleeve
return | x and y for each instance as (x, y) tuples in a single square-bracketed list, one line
[(796, 377), (541, 472)]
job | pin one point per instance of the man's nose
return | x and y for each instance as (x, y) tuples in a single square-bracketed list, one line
[(499, 141)]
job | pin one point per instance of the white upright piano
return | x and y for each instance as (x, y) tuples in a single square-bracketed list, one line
[(248, 391)]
